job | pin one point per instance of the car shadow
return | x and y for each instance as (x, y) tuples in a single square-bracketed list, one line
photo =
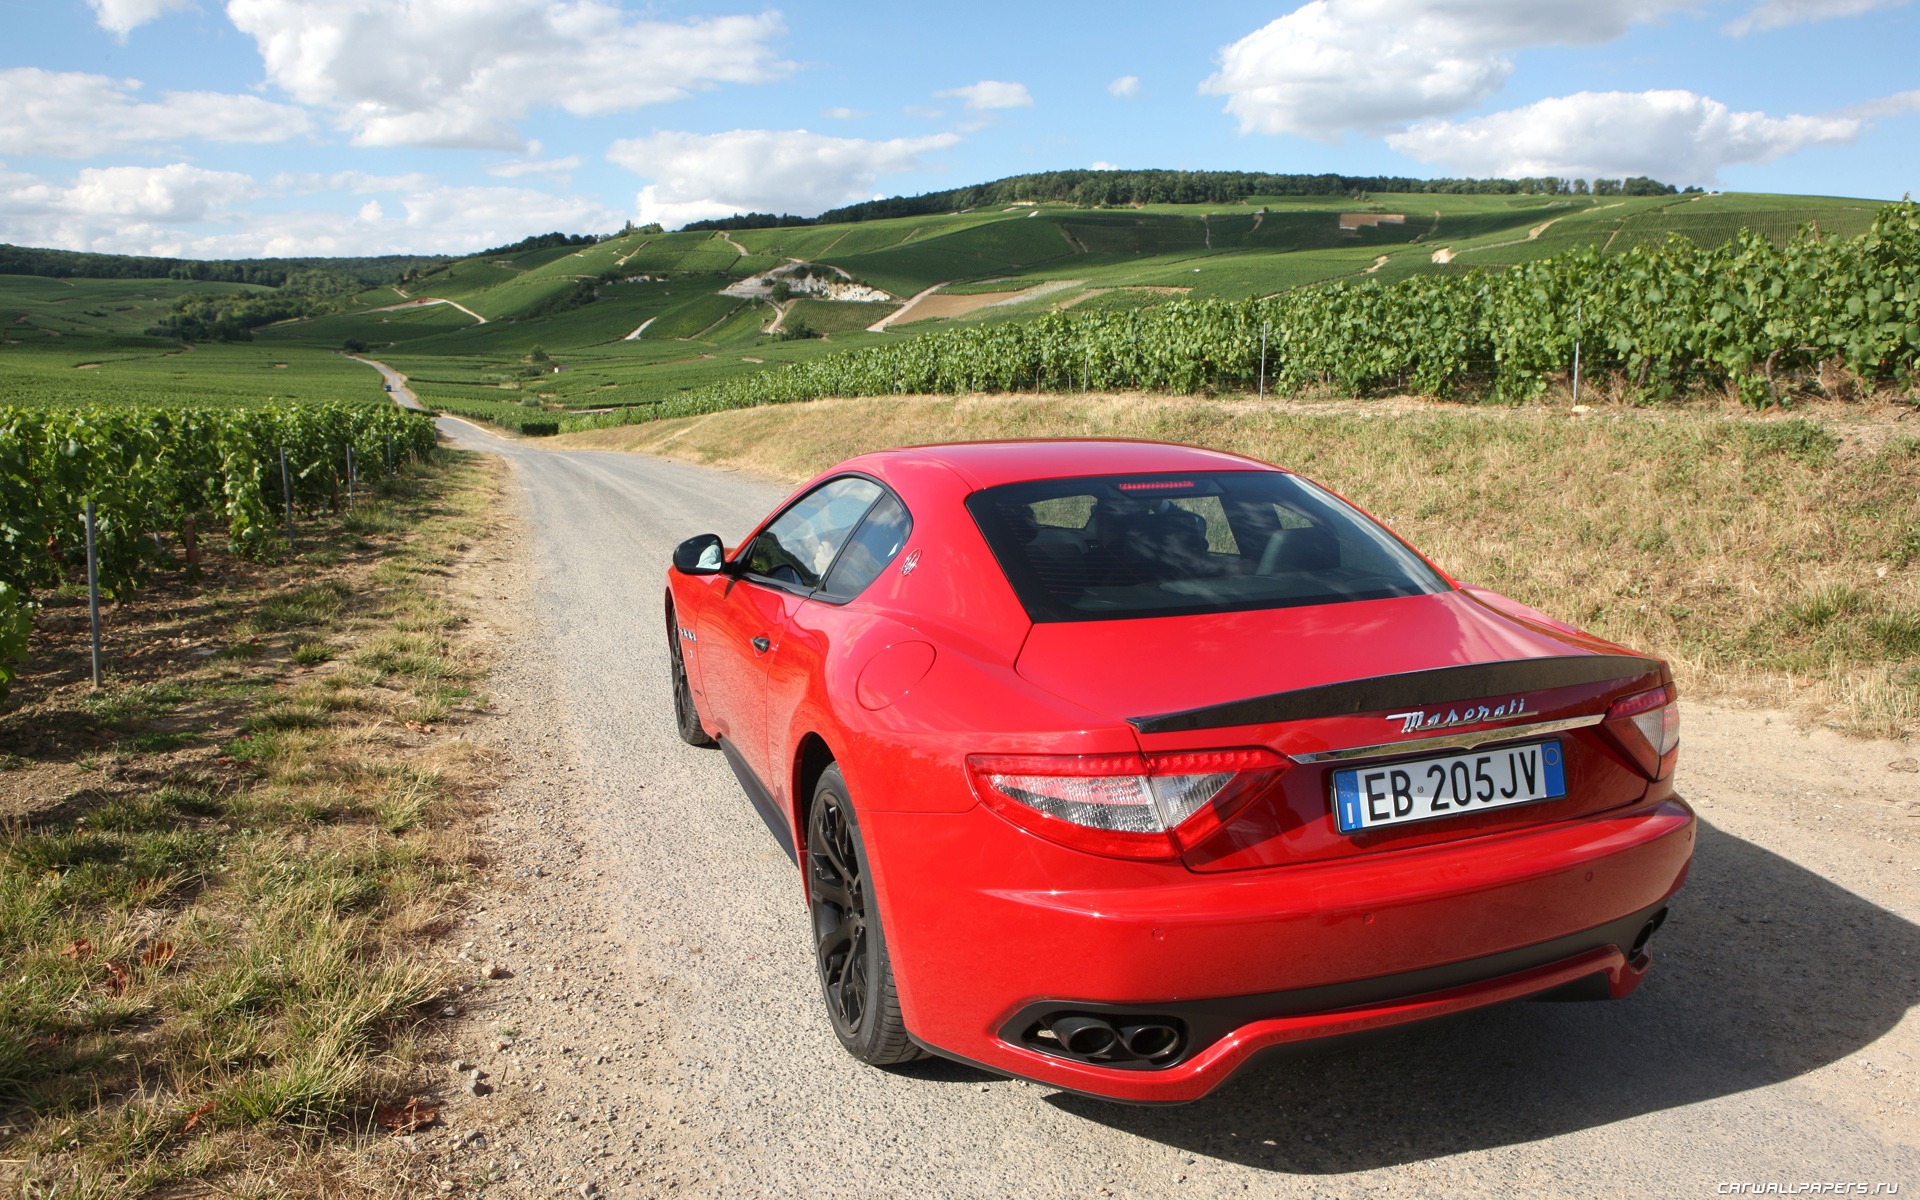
[(1765, 972)]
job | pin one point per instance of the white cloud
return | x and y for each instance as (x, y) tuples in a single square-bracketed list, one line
[(176, 194), (1331, 66), (1674, 136), (467, 218), (353, 183), (842, 113), (1886, 106), (184, 211), (1772, 14), (461, 72), (1126, 87), (558, 169), (697, 176), (1104, 165), (124, 16), (990, 94), (75, 115)]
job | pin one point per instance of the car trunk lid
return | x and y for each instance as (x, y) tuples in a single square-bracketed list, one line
[(1401, 676)]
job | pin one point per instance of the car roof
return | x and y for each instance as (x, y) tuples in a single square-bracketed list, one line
[(990, 464)]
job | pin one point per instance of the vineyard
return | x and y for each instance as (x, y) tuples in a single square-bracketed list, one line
[(1659, 318), (151, 472)]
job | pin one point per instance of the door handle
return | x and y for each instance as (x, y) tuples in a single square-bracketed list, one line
[(762, 645)]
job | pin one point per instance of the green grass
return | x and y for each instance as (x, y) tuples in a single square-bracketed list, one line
[(156, 373), (34, 310), (128, 707), (214, 970), (314, 605), (534, 420), (378, 329)]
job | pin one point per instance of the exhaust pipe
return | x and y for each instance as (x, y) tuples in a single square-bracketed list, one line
[(1150, 1040), (1646, 935), (1085, 1037)]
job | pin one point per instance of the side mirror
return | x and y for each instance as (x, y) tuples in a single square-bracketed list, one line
[(703, 555)]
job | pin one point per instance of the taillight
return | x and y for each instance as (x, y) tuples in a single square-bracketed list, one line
[(1647, 726), (1124, 805)]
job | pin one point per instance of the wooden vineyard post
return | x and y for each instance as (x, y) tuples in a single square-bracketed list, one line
[(286, 497), (93, 592), (1579, 309), (1261, 391), (349, 475)]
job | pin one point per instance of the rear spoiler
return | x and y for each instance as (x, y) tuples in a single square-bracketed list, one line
[(1414, 689)]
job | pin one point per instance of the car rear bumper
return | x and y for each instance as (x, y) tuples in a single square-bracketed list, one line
[(993, 930)]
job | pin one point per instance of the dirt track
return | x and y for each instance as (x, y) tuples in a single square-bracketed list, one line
[(663, 1033), (424, 301)]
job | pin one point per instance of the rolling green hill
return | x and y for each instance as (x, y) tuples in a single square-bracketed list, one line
[(640, 317)]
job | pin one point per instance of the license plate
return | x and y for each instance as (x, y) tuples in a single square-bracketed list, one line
[(1447, 785)]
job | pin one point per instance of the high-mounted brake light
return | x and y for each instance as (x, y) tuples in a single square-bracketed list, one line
[(1158, 485), (1124, 805), (1647, 726)]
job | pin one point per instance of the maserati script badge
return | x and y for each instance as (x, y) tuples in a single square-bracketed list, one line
[(1473, 714)]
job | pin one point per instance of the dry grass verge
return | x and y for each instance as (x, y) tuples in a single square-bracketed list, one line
[(221, 875), (1772, 559)]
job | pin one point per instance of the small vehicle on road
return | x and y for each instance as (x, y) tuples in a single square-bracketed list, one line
[(1112, 764)]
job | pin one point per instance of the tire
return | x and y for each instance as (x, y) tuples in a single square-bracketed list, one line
[(850, 949), (686, 718)]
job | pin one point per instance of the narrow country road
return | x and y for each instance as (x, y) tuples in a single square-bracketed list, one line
[(396, 383), (426, 300), (662, 1034)]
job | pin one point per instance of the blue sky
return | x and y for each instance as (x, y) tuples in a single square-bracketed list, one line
[(235, 128)]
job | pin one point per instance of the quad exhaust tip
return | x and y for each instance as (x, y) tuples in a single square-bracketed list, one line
[(1085, 1037), (1150, 1040), (1126, 1042)]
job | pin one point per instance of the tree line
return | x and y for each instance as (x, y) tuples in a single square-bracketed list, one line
[(233, 316), (1098, 188), (1206, 187), (264, 272)]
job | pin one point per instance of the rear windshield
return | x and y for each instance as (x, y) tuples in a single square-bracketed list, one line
[(1105, 547)]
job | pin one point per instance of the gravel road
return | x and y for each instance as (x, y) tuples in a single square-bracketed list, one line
[(660, 1032), (396, 382)]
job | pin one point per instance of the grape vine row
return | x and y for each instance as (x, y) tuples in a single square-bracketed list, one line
[(1662, 316), (187, 470)]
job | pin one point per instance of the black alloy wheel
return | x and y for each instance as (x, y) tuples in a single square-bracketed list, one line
[(686, 717), (856, 977)]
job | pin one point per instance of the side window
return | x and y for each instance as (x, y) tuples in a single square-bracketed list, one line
[(874, 545), (798, 547)]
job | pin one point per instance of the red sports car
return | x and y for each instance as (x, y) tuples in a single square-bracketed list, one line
[(1110, 764)]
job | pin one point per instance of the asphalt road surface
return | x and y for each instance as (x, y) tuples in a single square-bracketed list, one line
[(396, 383), (662, 1033)]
